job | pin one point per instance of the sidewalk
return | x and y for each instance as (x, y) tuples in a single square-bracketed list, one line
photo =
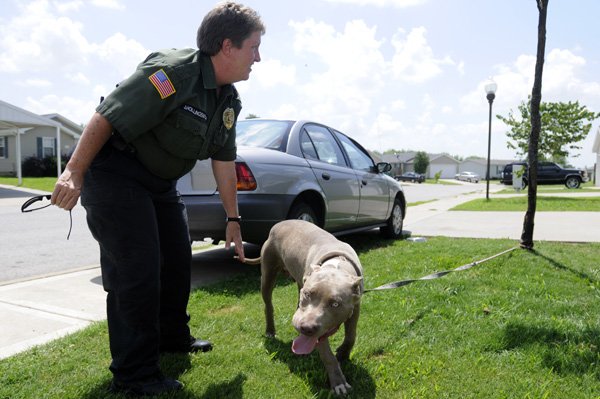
[(433, 219), (39, 310)]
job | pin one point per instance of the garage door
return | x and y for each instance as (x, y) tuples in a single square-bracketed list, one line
[(448, 170)]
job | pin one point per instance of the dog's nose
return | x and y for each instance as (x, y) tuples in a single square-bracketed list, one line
[(308, 329)]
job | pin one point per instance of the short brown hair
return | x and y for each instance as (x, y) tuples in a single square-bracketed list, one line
[(228, 20)]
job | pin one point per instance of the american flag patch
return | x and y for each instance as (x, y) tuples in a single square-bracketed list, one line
[(162, 83)]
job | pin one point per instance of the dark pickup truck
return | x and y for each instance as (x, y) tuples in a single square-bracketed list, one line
[(548, 173)]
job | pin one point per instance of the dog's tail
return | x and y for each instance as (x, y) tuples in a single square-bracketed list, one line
[(248, 261)]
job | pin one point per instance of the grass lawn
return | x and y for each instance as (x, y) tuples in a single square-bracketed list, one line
[(543, 203), (446, 182), (587, 187), (523, 325), (37, 183)]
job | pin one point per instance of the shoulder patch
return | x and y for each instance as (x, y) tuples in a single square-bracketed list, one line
[(162, 83)]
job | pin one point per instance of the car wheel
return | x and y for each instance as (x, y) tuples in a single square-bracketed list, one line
[(393, 228), (303, 211), (572, 182)]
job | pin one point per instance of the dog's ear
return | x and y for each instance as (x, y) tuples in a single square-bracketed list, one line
[(356, 287), (313, 268)]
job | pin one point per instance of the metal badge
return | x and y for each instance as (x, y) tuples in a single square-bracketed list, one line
[(228, 117)]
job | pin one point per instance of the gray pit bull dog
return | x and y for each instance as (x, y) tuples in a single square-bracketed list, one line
[(329, 277)]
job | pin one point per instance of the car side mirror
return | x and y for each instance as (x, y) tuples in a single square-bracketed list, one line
[(383, 167)]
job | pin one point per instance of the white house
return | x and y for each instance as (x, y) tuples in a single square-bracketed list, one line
[(24, 134), (596, 149), (446, 165), (479, 166)]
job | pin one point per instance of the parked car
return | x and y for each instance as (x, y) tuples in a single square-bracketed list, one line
[(468, 176), (296, 170), (411, 177), (547, 173)]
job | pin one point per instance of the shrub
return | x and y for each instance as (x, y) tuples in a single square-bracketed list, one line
[(45, 167)]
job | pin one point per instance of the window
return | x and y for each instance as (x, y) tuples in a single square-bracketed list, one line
[(324, 145), (3, 147), (358, 158), (48, 149)]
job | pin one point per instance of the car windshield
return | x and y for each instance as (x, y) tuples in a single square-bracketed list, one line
[(262, 133)]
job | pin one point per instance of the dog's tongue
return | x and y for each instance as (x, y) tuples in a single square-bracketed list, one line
[(303, 345)]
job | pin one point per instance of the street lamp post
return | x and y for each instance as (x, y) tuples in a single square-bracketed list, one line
[(490, 90)]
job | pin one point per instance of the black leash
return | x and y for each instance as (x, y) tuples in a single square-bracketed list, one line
[(397, 284), (32, 200)]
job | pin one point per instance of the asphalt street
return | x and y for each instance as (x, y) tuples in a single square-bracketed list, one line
[(35, 243)]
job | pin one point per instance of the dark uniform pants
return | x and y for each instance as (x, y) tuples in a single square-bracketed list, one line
[(140, 222)]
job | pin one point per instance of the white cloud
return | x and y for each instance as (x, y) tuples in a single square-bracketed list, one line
[(73, 108), (269, 73), (347, 68), (36, 83), (37, 41), (79, 78), (382, 3), (67, 6), (414, 60), (515, 82), (111, 4), (121, 53)]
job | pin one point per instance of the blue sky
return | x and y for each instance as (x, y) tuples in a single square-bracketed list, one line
[(401, 74)]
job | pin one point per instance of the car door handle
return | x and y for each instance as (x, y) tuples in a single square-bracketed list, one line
[(326, 176)]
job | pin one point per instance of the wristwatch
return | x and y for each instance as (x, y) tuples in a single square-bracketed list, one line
[(233, 219)]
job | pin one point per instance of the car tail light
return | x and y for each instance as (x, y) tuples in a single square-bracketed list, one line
[(245, 178)]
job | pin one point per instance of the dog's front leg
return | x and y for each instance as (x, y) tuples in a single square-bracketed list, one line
[(343, 351), (337, 380)]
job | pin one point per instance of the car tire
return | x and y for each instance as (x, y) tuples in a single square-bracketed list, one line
[(572, 182), (303, 211), (393, 227)]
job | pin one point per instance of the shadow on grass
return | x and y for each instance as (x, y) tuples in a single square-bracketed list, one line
[(561, 266), (229, 389), (172, 365), (565, 352), (367, 241), (311, 369), (240, 286)]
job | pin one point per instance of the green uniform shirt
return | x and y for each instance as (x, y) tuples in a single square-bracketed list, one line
[(169, 112)]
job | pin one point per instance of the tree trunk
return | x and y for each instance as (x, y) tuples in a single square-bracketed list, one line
[(536, 122)]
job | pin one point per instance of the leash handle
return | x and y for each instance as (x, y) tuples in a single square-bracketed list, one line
[(33, 200)]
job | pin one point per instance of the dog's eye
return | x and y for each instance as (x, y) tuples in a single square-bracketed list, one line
[(334, 304)]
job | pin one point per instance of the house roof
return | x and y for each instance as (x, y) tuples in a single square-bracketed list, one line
[(399, 157), (483, 161), (13, 117), (441, 157)]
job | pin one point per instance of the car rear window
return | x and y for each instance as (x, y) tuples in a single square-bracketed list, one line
[(262, 133)]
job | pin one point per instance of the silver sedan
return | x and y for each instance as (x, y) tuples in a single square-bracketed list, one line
[(296, 170), (468, 176)]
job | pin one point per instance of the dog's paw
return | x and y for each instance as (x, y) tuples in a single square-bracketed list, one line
[(341, 389)]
